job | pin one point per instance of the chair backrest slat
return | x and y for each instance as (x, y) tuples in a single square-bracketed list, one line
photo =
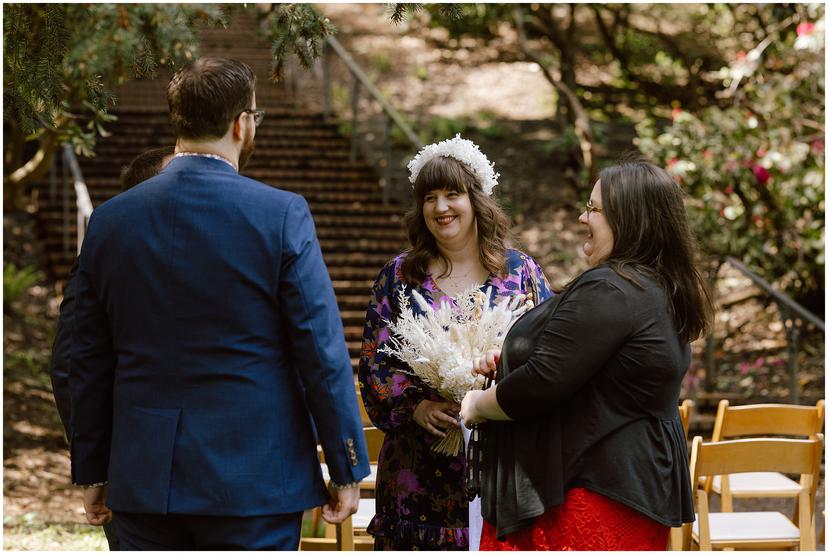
[(740, 456), (373, 439), (767, 419)]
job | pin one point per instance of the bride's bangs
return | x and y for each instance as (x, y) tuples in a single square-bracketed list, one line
[(441, 173)]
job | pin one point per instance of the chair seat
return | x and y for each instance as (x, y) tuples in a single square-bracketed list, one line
[(749, 527), (370, 482), (758, 484), (365, 513)]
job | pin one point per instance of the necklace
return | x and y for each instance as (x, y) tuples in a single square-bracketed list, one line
[(206, 155), (457, 284)]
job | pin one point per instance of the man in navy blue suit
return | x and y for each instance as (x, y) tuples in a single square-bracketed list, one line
[(144, 166), (208, 354)]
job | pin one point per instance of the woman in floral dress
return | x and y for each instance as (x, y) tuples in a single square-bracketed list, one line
[(459, 238)]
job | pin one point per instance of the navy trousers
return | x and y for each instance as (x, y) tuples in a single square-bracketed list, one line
[(192, 532)]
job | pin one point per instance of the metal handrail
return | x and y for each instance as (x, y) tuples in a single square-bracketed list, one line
[(780, 297), (83, 202), (391, 115), (789, 310), (359, 74)]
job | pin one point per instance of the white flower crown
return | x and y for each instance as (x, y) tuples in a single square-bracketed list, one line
[(462, 150)]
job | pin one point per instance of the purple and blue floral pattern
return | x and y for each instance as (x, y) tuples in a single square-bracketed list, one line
[(420, 503)]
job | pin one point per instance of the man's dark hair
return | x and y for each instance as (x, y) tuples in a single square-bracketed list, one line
[(144, 166), (205, 96)]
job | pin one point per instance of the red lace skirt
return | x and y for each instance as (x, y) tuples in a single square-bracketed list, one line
[(585, 521)]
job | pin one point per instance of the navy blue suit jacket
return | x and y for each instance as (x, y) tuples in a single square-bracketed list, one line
[(205, 336)]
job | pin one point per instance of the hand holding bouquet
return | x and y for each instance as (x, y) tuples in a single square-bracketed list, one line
[(441, 345)]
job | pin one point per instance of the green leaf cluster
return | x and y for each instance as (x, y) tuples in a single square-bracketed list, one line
[(295, 29), (62, 60), (16, 281)]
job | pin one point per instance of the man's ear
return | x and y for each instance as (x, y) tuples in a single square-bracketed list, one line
[(237, 136)]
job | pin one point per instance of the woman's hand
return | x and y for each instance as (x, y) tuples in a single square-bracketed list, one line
[(469, 413), (487, 363), (436, 417)]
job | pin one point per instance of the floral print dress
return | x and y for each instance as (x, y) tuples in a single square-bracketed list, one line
[(420, 503)]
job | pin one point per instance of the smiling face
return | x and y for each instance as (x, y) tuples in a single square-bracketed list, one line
[(449, 216), (599, 239)]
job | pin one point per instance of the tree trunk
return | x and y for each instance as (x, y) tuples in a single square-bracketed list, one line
[(578, 115), (33, 170)]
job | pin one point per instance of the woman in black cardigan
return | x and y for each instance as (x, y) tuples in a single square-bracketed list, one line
[(596, 458)]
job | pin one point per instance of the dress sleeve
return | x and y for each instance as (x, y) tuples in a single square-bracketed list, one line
[(390, 395), (578, 340), (534, 274)]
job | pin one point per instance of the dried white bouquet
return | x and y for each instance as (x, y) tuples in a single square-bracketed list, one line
[(441, 344)]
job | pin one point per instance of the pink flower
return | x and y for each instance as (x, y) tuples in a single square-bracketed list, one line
[(744, 367), (760, 361), (676, 113), (707, 154), (761, 153), (762, 175), (818, 146), (729, 189), (804, 29)]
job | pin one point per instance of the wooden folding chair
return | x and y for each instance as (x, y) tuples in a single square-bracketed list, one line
[(754, 530), (765, 420), (686, 413)]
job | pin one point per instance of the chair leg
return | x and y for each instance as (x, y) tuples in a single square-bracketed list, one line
[(315, 516), (676, 539), (345, 535), (807, 537)]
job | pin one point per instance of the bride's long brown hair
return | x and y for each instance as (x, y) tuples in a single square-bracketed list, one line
[(493, 226)]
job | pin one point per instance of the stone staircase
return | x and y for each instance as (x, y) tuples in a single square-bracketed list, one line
[(296, 150)]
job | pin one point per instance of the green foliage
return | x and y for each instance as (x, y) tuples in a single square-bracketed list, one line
[(27, 533), (16, 281), (442, 128), (469, 19), (565, 142), (381, 63), (754, 171), (399, 12), (62, 60), (297, 29)]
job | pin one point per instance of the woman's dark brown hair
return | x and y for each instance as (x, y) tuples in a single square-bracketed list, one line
[(493, 228), (644, 207)]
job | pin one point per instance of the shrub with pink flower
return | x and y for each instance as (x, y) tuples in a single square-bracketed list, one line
[(754, 164)]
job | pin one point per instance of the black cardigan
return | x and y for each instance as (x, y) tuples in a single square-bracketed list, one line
[(592, 379)]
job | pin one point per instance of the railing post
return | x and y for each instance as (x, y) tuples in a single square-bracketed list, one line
[(710, 348), (386, 136), (53, 178), (294, 87), (354, 110), (326, 80), (63, 171), (792, 329)]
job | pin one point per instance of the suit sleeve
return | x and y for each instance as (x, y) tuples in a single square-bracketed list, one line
[(91, 376), (578, 340), (390, 396), (311, 317), (59, 365)]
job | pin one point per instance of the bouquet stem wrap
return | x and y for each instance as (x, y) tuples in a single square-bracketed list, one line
[(441, 344)]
